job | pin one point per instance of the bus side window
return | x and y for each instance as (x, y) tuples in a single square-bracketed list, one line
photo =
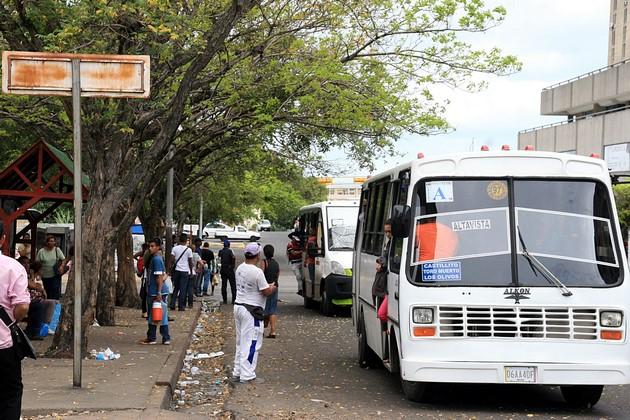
[(400, 188)]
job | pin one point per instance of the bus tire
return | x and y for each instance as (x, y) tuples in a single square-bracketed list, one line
[(327, 307), (582, 396), (365, 355), (414, 391)]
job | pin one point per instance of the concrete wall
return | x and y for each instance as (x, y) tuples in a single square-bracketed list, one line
[(605, 87), (586, 136), (589, 135)]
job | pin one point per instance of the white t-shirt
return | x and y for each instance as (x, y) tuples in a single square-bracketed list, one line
[(182, 264), (250, 280)]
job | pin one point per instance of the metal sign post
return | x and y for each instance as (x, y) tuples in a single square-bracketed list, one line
[(76, 75), (78, 203)]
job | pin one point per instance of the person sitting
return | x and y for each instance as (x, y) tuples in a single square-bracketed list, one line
[(36, 309)]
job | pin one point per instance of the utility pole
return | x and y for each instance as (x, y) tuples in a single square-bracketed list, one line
[(200, 230), (169, 215)]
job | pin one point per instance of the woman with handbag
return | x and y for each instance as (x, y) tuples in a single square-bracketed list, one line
[(14, 301), (53, 266)]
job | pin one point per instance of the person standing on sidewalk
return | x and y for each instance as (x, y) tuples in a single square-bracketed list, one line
[(182, 270), (251, 292), (228, 262), (156, 289), (14, 299), (294, 254), (209, 269)]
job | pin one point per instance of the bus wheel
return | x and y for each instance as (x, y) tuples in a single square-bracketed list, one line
[(366, 356), (414, 391), (327, 306), (582, 396)]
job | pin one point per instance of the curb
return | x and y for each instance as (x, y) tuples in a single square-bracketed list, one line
[(167, 379)]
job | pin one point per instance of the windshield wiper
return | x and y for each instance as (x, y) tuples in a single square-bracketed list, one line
[(534, 262)]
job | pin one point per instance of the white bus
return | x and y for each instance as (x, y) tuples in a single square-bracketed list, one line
[(505, 267), (333, 223)]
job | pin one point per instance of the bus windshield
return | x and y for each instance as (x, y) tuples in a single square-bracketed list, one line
[(342, 224), (465, 233)]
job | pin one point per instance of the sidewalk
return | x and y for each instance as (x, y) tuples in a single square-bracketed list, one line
[(142, 378)]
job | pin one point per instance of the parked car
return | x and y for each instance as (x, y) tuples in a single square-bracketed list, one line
[(210, 229), (264, 225), (237, 232)]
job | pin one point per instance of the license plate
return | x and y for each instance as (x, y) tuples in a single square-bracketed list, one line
[(520, 374)]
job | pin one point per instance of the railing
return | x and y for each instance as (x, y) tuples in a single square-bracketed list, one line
[(590, 73), (575, 119)]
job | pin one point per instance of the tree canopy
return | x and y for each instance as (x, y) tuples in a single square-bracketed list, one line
[(289, 77)]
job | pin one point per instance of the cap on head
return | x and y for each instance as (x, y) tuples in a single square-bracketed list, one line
[(380, 260), (226, 243), (252, 249)]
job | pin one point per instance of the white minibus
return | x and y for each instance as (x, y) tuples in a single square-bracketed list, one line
[(504, 267), (332, 226)]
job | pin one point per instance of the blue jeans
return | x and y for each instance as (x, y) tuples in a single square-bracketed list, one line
[(152, 330), (180, 289), (206, 280)]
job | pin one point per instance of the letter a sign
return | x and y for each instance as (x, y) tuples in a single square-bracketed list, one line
[(439, 191)]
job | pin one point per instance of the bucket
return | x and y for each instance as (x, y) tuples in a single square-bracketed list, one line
[(156, 313)]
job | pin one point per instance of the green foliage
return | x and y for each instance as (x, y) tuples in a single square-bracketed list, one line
[(622, 199), (259, 183)]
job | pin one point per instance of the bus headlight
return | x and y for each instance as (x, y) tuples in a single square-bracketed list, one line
[(336, 268), (422, 315), (610, 319)]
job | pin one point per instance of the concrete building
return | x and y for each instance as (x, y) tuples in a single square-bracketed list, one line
[(596, 106), (346, 188), (618, 35)]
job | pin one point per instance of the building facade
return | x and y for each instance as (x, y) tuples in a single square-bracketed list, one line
[(347, 188), (596, 106)]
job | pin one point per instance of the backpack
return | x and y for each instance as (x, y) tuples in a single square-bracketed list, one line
[(227, 256), (140, 266)]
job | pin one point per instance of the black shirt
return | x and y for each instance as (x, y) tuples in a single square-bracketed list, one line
[(272, 271), (207, 255), (227, 259)]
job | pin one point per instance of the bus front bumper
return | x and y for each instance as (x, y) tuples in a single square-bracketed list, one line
[(339, 289), (518, 373)]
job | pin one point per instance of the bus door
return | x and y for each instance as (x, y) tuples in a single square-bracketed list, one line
[(400, 189)]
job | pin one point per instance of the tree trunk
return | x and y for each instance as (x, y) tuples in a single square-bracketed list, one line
[(94, 224), (126, 279), (106, 296)]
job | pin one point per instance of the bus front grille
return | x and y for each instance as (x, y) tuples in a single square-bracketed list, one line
[(518, 322)]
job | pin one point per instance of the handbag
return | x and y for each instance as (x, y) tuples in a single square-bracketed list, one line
[(21, 343)]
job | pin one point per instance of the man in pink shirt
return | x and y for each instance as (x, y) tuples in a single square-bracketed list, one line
[(14, 298)]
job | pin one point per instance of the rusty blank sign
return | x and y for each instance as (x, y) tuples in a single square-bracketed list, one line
[(37, 73)]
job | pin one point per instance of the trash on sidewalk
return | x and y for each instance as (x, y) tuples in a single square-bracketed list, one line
[(106, 354), (209, 356)]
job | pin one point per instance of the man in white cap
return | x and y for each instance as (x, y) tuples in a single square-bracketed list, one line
[(251, 293)]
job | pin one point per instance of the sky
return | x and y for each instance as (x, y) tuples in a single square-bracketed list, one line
[(555, 40)]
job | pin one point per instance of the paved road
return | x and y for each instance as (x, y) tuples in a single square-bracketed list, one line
[(310, 371)]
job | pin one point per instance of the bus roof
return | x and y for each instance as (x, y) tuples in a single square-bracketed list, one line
[(504, 163)]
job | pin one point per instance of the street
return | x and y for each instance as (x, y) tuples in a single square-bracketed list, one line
[(310, 371)]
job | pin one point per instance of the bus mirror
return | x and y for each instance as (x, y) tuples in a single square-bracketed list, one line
[(401, 221)]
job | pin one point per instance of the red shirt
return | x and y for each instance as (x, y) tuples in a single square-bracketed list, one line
[(294, 251)]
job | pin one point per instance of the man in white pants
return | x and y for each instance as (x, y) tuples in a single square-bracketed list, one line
[(251, 293)]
